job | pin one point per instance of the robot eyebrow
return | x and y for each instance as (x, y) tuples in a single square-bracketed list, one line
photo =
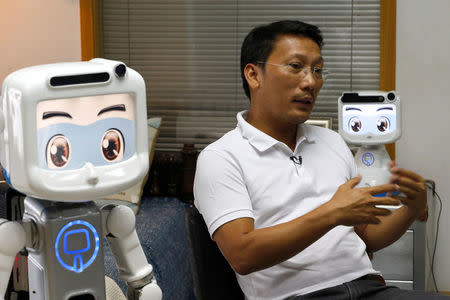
[(119, 107), (51, 114), (384, 108), (352, 108)]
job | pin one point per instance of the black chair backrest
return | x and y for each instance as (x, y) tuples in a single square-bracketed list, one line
[(212, 276)]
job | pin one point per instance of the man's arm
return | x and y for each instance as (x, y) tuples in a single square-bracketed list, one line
[(392, 227), (248, 250)]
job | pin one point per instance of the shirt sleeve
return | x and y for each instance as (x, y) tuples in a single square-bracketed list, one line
[(220, 193)]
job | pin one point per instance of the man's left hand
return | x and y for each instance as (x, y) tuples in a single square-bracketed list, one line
[(413, 189)]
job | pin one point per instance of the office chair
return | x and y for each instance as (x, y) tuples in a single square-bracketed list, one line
[(212, 276)]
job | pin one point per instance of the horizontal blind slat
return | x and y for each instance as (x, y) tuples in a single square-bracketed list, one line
[(188, 53)]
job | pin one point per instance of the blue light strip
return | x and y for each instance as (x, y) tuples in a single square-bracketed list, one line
[(81, 266)]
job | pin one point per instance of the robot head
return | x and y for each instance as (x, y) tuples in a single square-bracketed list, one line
[(369, 118), (74, 131)]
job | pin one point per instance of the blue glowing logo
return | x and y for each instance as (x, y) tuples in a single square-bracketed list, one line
[(77, 252), (368, 159)]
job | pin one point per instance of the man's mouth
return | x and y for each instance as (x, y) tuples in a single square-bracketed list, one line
[(304, 100)]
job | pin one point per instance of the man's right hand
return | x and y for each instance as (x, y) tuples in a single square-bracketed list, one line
[(353, 206)]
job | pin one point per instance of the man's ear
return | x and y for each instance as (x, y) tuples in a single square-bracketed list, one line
[(253, 75)]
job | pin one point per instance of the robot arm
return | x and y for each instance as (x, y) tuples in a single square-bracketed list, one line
[(130, 258), (12, 239)]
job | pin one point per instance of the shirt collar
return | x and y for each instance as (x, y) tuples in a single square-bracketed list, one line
[(263, 141)]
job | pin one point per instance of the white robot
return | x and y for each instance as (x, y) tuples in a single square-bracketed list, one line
[(370, 119), (71, 133)]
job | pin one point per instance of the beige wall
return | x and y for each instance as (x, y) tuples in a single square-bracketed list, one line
[(38, 32), (422, 81)]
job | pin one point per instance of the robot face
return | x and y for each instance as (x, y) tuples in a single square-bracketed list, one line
[(369, 118), (373, 119), (96, 129), (74, 131)]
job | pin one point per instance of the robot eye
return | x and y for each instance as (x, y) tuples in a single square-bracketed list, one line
[(355, 124), (112, 145), (58, 152), (383, 124)]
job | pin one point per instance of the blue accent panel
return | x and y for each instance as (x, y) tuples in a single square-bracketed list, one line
[(387, 194), (7, 176), (380, 195), (76, 264), (85, 141)]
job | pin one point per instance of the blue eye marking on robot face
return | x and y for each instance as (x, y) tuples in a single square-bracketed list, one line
[(73, 145), (368, 159), (73, 247), (360, 119)]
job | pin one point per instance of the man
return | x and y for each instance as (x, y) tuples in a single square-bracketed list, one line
[(290, 227)]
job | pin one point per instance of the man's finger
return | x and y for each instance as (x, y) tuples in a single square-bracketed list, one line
[(408, 183), (407, 173), (382, 211), (354, 181), (410, 193), (381, 189), (385, 201)]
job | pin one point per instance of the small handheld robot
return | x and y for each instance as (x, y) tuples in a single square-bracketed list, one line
[(370, 119), (71, 133)]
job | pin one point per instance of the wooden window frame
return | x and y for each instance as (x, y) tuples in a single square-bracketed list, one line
[(91, 41)]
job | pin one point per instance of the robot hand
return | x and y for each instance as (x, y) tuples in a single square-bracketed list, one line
[(149, 292), (12, 239)]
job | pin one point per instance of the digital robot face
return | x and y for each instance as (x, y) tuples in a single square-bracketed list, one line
[(369, 118), (74, 131)]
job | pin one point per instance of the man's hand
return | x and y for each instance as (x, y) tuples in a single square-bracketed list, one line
[(413, 188), (354, 206)]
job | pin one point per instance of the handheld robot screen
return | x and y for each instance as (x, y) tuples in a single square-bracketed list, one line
[(369, 118)]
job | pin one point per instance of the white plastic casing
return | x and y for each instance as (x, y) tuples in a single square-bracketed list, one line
[(369, 112), (24, 89)]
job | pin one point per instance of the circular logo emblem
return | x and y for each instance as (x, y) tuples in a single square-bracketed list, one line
[(77, 245), (368, 159)]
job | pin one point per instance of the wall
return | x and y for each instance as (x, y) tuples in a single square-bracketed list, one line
[(38, 32), (423, 82)]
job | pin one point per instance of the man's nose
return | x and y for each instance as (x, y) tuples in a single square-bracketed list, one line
[(309, 80)]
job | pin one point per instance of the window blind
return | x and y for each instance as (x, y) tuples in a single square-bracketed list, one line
[(188, 53)]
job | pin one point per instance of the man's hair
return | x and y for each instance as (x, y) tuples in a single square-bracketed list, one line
[(259, 43)]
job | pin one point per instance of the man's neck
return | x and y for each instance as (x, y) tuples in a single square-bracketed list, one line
[(281, 131)]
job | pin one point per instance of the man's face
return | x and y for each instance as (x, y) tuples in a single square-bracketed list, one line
[(287, 94)]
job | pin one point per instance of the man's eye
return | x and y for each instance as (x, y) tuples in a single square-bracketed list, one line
[(296, 66), (318, 71)]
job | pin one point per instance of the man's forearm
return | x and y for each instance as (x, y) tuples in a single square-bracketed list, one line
[(389, 230), (262, 248)]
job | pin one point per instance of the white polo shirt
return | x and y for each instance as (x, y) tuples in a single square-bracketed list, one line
[(247, 173)]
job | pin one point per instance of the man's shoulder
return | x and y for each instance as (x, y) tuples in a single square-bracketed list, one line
[(321, 132), (228, 142)]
